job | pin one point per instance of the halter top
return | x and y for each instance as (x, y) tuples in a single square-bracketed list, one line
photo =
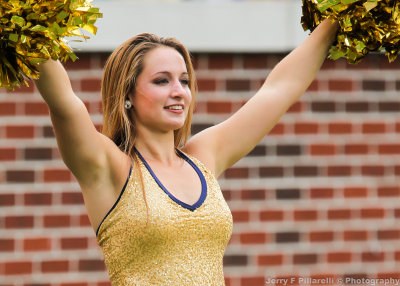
[(166, 242)]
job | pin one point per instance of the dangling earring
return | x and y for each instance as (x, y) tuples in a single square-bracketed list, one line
[(128, 104)]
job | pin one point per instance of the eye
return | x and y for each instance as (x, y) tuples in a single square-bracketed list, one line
[(185, 81), (160, 81)]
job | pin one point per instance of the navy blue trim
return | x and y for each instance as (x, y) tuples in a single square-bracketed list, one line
[(203, 194), (116, 202)]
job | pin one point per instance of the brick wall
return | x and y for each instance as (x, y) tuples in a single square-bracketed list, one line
[(318, 197)]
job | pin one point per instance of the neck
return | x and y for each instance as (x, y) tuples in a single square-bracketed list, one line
[(158, 147)]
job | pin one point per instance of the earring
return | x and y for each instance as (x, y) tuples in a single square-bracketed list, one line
[(128, 104)]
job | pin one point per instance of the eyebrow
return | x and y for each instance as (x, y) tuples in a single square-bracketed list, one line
[(168, 73)]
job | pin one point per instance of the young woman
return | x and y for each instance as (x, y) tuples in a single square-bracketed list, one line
[(152, 196)]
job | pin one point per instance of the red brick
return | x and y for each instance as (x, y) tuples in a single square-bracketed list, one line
[(339, 257), (306, 128), (20, 131), (373, 170), (389, 149), (74, 284), (237, 85), (271, 215), (8, 154), (253, 238), (372, 213), (19, 221), (20, 176), (355, 235), (33, 199), (340, 128), (74, 243), (72, 198), (321, 193), (341, 85), (372, 128), (322, 149), (321, 236), (358, 149), (16, 268), (308, 258), (7, 244), (355, 192), (84, 220), (206, 84), (241, 216), (237, 172), (55, 266), (219, 107), (7, 108), (339, 214), (7, 199), (37, 244), (36, 108), (305, 171), (38, 154), (270, 260), (255, 61), (91, 84), (375, 85), (252, 281), (389, 191), (389, 234), (305, 215), (339, 171), (253, 195), (54, 175), (91, 265), (357, 106), (57, 221), (372, 256), (220, 61)]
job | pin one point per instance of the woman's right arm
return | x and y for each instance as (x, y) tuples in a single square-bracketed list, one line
[(85, 151)]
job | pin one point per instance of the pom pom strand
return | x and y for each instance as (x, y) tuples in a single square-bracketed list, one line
[(365, 26), (32, 32)]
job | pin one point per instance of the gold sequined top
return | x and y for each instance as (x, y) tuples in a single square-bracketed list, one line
[(180, 245)]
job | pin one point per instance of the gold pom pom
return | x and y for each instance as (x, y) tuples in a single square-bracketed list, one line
[(33, 31), (365, 26)]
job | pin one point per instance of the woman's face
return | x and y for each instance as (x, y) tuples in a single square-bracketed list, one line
[(162, 95)]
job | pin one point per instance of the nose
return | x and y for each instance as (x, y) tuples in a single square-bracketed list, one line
[(177, 89)]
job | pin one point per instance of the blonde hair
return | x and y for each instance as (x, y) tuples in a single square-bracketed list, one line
[(119, 80)]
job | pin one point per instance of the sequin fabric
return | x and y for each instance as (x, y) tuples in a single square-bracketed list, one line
[(169, 245)]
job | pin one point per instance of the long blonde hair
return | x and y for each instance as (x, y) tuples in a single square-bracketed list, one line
[(119, 80)]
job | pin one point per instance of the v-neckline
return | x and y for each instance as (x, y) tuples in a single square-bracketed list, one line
[(203, 194)]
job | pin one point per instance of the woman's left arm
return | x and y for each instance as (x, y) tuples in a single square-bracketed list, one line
[(224, 144)]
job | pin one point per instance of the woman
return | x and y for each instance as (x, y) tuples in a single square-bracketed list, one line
[(152, 197)]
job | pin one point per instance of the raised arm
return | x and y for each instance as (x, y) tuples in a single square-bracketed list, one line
[(224, 144), (83, 149)]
